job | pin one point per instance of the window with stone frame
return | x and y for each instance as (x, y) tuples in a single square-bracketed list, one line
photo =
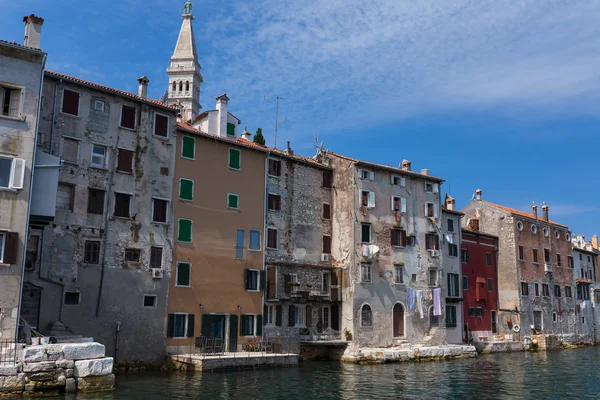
[(366, 317), (156, 257), (326, 244), (159, 210), (274, 167), (272, 238), (91, 253), (398, 237), (122, 205), (524, 289), (399, 273), (365, 272), (127, 117), (96, 201), (274, 202), (545, 290), (125, 161)]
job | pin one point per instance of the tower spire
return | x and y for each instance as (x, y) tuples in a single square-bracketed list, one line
[(184, 70)]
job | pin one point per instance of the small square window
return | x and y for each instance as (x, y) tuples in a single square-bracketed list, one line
[(233, 201), (429, 187), (99, 105), (150, 300), (133, 255), (72, 298), (127, 117)]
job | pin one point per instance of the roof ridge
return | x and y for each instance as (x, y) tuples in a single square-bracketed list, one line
[(523, 213)]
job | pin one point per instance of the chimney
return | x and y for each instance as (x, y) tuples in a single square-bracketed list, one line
[(478, 194), (406, 165), (545, 211), (222, 111), (143, 86), (425, 171), (534, 210), (595, 242), (33, 31), (289, 150), (246, 135), (450, 203)]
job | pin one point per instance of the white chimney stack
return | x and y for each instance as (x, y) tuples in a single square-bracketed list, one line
[(478, 194), (143, 86), (247, 135), (223, 112), (33, 31)]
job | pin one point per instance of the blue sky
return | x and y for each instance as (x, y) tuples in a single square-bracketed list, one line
[(503, 95)]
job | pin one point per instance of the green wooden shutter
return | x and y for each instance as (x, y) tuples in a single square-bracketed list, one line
[(185, 231), (233, 332), (183, 274), (230, 129), (278, 312), (188, 147), (191, 320), (232, 200), (263, 280), (234, 159), (259, 325), (291, 315), (186, 189), (206, 318), (171, 326)]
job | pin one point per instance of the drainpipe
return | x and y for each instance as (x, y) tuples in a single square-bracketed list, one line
[(53, 115), (37, 121), (354, 223), (264, 291)]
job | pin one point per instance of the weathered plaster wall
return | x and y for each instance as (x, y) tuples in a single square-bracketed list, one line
[(452, 265)]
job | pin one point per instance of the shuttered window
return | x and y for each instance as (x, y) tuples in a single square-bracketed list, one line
[(125, 161), (230, 129), (92, 252), (398, 237), (70, 151), (234, 159), (233, 201), (156, 257), (64, 197), (183, 274), (70, 104), (159, 210), (161, 125), (188, 147), (247, 325), (184, 232), (122, 205), (326, 244), (272, 238), (10, 101), (96, 201), (326, 211), (128, 117), (186, 189), (180, 325)]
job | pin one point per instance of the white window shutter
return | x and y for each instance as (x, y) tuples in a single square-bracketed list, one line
[(15, 101), (371, 199), (393, 203), (17, 175), (402, 181), (403, 205), (392, 179), (371, 175), (426, 204), (435, 211), (436, 188)]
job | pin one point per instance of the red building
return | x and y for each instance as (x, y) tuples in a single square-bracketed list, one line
[(480, 284)]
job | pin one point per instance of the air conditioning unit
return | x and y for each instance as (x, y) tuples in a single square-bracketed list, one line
[(434, 253), (157, 273), (325, 257), (29, 266), (548, 267)]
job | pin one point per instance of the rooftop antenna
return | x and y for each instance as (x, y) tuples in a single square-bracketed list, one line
[(277, 120)]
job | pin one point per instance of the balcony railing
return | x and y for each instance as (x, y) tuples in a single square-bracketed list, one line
[(313, 335)]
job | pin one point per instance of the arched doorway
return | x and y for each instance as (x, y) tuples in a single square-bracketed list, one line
[(398, 316)]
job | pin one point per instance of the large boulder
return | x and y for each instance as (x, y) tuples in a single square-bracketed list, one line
[(83, 351), (97, 367)]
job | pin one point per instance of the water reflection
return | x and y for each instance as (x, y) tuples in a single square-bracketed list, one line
[(565, 374)]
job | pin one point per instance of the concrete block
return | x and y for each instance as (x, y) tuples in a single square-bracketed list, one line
[(70, 385), (41, 366), (83, 351), (97, 367), (96, 383), (12, 383), (66, 364), (8, 370)]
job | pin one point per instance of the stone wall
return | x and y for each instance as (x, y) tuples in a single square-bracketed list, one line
[(54, 369)]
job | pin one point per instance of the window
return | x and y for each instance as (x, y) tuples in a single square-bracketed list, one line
[(535, 256), (570, 261), (326, 244), (557, 234), (365, 316), (568, 291), (122, 205), (464, 255), (300, 316), (367, 199), (431, 210), (272, 238), (413, 278), (161, 125), (156, 257), (452, 249), (545, 230), (184, 230), (450, 224), (325, 279), (397, 180), (70, 103), (125, 161), (235, 159), (183, 274), (133, 255), (547, 255), (432, 241), (254, 240), (72, 298), (521, 253), (251, 279), (269, 315), (488, 259), (70, 150), (150, 300), (91, 253), (230, 129), (453, 285), (274, 202), (524, 289), (533, 229), (326, 211), (429, 187), (99, 159), (274, 167), (399, 269), (398, 237), (99, 105), (558, 260), (10, 101), (233, 201), (159, 210), (64, 197), (519, 225), (247, 325), (490, 284), (327, 179), (239, 244), (465, 282), (365, 233), (366, 175), (536, 286), (556, 290), (180, 325), (186, 189), (365, 272), (478, 312), (433, 274), (597, 297), (554, 317), (127, 117), (450, 316), (96, 201), (188, 147)]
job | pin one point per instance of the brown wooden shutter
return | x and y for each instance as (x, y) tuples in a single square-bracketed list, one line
[(326, 211), (128, 117), (287, 279), (403, 238), (327, 244), (70, 102), (162, 126), (11, 248), (309, 316), (125, 161), (291, 313)]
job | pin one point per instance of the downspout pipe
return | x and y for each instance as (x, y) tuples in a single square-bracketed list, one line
[(37, 121), (264, 291)]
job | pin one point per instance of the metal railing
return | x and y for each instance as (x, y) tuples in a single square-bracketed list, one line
[(314, 335), (204, 347), (8, 351)]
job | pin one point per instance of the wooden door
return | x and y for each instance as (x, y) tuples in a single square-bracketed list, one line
[(398, 316)]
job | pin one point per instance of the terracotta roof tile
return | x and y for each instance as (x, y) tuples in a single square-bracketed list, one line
[(111, 90), (20, 45), (524, 214)]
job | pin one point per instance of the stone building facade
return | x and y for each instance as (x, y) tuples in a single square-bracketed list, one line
[(102, 267), (302, 296), (386, 236), (452, 274), (535, 267), (21, 77), (587, 287)]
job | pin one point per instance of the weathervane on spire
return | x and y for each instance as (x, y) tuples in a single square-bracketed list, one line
[(187, 7)]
